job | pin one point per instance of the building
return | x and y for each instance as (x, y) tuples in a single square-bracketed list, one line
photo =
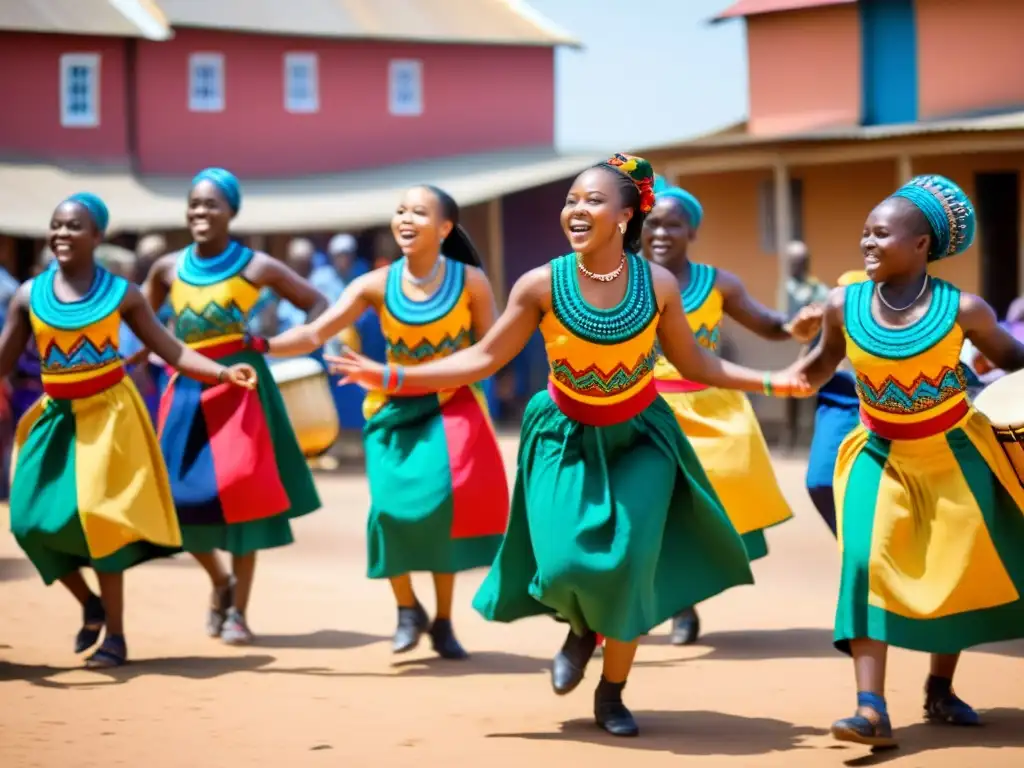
[(847, 100), (325, 109)]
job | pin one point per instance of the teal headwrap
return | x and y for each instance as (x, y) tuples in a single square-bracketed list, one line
[(95, 207), (226, 182), (691, 205), (949, 212)]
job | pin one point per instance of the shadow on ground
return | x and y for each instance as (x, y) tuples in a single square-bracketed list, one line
[(479, 663), (759, 644), (1003, 728), (688, 733), (186, 667), (332, 639), (15, 569)]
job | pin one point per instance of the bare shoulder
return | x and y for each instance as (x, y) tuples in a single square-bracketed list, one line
[(476, 278), (164, 268), (975, 313), (533, 288), (727, 283), (666, 285)]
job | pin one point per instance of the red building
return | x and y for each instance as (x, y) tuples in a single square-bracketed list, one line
[(325, 110)]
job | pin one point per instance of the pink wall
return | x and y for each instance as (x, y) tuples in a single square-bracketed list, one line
[(805, 70), (475, 98), (30, 95), (982, 68)]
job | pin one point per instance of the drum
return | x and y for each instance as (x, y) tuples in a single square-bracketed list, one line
[(1002, 402), (307, 397)]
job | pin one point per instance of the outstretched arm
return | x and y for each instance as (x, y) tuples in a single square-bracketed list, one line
[(16, 332), (137, 312), (500, 344), (354, 300), (978, 321), (748, 312), (268, 272), (820, 365), (696, 364)]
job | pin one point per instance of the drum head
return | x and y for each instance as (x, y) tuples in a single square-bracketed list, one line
[(1002, 401), (294, 369)]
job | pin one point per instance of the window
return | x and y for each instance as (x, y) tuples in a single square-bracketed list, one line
[(301, 86), (80, 90), (766, 212), (206, 82), (405, 87)]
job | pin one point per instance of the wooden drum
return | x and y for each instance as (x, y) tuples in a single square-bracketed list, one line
[(1002, 402), (307, 399)]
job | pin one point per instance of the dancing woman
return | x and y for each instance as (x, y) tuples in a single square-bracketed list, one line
[(719, 423), (439, 497), (614, 525), (928, 505), (237, 473), (90, 487)]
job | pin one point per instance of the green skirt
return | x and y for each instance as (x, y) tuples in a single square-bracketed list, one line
[(236, 481), (614, 528), (438, 493)]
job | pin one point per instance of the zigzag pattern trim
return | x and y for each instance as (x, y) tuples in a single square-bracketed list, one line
[(925, 392), (708, 337), (594, 382), (214, 320), (83, 356), (425, 350)]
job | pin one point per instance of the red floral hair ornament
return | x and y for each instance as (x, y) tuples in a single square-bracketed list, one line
[(640, 173)]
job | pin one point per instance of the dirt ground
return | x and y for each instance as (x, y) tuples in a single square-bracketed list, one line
[(320, 687)]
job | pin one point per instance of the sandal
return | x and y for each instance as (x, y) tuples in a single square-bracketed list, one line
[(113, 653), (223, 599), (236, 631), (93, 620)]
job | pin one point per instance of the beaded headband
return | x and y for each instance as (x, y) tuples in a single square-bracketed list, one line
[(639, 172), (949, 212)]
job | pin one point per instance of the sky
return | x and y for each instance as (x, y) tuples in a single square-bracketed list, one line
[(673, 75)]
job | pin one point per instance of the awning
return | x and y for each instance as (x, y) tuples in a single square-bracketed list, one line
[(116, 18), (29, 193), (758, 7)]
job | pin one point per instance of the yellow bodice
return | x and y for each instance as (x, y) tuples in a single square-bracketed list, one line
[(908, 374), (600, 357), (78, 342), (702, 302)]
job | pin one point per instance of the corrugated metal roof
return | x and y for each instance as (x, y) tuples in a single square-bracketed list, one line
[(346, 201), (758, 7), (116, 18), (508, 22)]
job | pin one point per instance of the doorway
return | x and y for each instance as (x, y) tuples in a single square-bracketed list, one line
[(997, 199)]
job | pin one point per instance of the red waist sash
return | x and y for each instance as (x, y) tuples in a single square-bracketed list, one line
[(74, 390), (604, 415), (918, 429)]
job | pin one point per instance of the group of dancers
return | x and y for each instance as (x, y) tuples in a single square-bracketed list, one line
[(632, 501)]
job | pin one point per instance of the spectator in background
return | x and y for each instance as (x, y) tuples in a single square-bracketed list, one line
[(331, 277), (147, 251), (802, 289), (300, 258)]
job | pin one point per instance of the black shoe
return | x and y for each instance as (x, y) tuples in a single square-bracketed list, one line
[(93, 619), (609, 711), (685, 627), (442, 637), (571, 661), (412, 623)]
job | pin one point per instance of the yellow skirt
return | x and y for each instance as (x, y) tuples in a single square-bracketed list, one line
[(723, 430), (932, 540), (89, 485)]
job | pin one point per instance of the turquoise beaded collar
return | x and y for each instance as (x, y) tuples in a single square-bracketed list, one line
[(410, 312), (103, 297), (900, 343), (196, 270), (603, 326), (702, 282)]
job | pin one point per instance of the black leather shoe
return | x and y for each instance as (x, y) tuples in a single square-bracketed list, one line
[(412, 623), (609, 711), (442, 637), (571, 661), (685, 627)]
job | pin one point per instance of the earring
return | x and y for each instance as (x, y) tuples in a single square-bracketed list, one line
[(622, 228)]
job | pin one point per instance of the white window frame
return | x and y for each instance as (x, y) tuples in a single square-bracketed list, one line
[(308, 103), (413, 68), (214, 103), (90, 61)]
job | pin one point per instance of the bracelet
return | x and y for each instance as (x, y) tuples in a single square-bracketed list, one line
[(399, 377), (385, 382), (220, 375), (766, 383)]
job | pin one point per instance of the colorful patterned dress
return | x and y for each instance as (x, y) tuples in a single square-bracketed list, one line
[(90, 487), (929, 508), (237, 472), (614, 525), (438, 492), (721, 426)]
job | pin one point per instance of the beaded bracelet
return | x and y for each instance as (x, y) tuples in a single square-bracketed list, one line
[(766, 383), (385, 383), (399, 377)]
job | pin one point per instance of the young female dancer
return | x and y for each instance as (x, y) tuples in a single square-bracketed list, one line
[(719, 423), (90, 487), (237, 473), (439, 497), (614, 525), (929, 507)]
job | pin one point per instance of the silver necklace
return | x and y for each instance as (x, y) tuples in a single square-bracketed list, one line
[(605, 278), (419, 282), (881, 298)]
